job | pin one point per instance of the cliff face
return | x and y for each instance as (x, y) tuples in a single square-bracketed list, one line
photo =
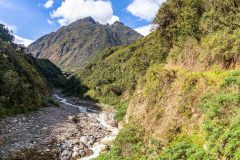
[(73, 45)]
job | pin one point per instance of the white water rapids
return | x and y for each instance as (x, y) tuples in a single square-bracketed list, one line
[(101, 117)]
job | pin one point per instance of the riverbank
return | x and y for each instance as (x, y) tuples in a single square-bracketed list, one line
[(75, 130)]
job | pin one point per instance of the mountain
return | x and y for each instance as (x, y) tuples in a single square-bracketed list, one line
[(73, 45), (176, 91), (25, 82)]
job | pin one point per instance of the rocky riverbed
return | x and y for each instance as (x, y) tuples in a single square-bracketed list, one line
[(75, 130)]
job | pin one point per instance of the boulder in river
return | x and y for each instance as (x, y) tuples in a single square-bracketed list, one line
[(66, 155)]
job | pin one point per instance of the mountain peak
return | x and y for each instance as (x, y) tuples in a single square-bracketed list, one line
[(73, 45), (117, 23), (88, 20)]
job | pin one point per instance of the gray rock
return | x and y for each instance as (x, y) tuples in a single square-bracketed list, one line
[(89, 152), (82, 153), (75, 155), (82, 39), (66, 155)]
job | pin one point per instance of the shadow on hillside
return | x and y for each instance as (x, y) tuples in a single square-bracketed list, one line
[(74, 87)]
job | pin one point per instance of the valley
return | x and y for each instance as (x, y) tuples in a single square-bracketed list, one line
[(171, 95)]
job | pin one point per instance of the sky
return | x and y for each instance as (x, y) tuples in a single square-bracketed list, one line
[(31, 19)]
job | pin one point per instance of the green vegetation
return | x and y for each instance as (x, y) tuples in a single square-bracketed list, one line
[(25, 82), (73, 46), (184, 148), (179, 86), (201, 33), (207, 117), (114, 72), (207, 124), (221, 124), (51, 72), (5, 34), (191, 34), (180, 83), (22, 87), (127, 145), (53, 102), (74, 87), (206, 105), (121, 111)]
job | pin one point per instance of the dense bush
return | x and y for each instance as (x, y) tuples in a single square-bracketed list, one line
[(51, 72), (5, 34), (22, 87), (184, 148), (222, 118), (121, 111), (73, 86), (127, 145), (201, 32), (115, 72)]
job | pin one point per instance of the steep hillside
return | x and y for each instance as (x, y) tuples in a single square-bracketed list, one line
[(23, 85), (49, 71), (115, 71), (179, 87), (73, 45)]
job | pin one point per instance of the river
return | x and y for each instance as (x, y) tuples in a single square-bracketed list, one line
[(76, 130), (101, 117)]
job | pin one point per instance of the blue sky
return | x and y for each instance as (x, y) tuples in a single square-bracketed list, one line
[(31, 19)]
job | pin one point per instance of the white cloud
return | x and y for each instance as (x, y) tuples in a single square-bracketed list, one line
[(72, 10), (10, 27), (113, 19), (144, 9), (21, 40), (48, 4), (18, 39), (50, 22), (146, 30)]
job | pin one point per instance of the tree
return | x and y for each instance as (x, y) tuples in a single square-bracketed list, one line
[(5, 34)]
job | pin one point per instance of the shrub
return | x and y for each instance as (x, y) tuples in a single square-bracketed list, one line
[(121, 111), (127, 145), (53, 102), (184, 148)]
